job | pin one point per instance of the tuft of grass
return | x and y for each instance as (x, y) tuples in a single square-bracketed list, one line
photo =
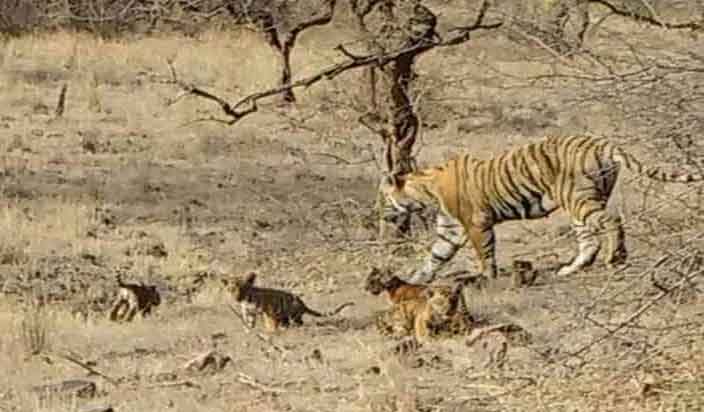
[(34, 328)]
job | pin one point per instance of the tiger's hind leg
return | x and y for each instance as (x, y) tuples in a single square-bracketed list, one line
[(615, 253), (588, 247)]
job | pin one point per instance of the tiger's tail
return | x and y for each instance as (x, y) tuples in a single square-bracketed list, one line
[(331, 313), (626, 159)]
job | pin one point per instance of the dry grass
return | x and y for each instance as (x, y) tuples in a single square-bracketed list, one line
[(125, 181)]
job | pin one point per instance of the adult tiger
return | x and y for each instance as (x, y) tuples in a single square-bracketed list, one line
[(576, 173)]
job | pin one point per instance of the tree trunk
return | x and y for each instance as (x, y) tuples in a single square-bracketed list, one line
[(371, 82), (412, 25), (286, 74)]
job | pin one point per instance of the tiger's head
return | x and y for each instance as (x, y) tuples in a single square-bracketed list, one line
[(411, 192)]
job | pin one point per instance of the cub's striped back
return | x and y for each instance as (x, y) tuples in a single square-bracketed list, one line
[(279, 307)]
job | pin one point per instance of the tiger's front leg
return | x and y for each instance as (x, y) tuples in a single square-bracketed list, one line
[(484, 243), (451, 237)]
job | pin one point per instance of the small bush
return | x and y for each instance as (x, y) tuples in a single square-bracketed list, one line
[(33, 330)]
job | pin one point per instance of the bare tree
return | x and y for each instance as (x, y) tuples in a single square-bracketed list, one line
[(398, 31), (562, 25), (653, 91), (281, 22)]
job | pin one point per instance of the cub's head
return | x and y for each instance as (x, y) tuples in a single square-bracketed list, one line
[(239, 287), (411, 192), (442, 302), (376, 281)]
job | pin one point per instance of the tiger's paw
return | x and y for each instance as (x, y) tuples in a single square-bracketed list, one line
[(566, 270)]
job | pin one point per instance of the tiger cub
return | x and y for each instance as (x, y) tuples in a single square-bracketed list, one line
[(418, 309), (441, 314), (278, 307), (133, 298), (434, 312)]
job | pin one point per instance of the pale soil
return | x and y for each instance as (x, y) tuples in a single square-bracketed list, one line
[(122, 181)]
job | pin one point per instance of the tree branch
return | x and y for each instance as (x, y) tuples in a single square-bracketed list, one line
[(236, 113), (693, 25), (320, 20), (464, 32)]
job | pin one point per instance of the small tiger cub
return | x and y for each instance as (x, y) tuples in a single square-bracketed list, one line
[(278, 307), (433, 313), (440, 313), (133, 298), (396, 289), (418, 309)]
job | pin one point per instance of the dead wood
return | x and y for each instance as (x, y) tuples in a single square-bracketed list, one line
[(250, 381), (84, 366), (61, 103), (73, 387)]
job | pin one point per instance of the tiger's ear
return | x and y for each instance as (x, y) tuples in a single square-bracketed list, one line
[(249, 280)]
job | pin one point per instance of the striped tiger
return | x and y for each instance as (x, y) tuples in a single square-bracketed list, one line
[(278, 307), (575, 173)]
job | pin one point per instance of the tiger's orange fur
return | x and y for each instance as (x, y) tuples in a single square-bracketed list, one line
[(576, 173)]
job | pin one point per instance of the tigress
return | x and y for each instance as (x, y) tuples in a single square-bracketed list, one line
[(279, 308), (133, 298), (575, 173)]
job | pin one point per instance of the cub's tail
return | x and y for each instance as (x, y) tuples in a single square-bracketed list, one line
[(331, 313), (626, 159)]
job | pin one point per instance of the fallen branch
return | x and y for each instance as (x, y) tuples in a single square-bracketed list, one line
[(481, 332), (61, 103), (250, 381), (188, 384), (84, 366), (340, 160)]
